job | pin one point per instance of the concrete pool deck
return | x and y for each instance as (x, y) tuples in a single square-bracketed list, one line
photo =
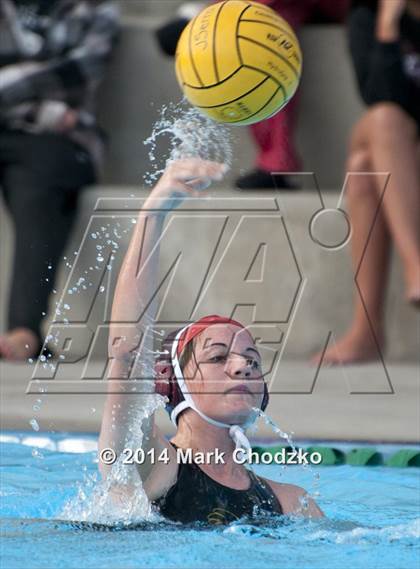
[(347, 403)]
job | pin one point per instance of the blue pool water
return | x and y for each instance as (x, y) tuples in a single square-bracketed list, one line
[(373, 520)]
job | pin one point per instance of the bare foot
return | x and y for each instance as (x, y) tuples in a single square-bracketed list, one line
[(18, 345), (414, 299), (413, 286), (354, 347)]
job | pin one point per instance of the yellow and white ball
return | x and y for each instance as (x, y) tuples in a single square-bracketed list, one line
[(238, 62)]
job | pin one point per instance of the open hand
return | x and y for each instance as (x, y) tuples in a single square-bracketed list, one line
[(184, 178)]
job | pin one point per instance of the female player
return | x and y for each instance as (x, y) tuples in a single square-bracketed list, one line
[(211, 374), (385, 46)]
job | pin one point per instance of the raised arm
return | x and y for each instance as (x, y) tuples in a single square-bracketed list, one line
[(131, 346)]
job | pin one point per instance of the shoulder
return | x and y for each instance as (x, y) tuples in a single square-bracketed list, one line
[(163, 475), (292, 499), (288, 495)]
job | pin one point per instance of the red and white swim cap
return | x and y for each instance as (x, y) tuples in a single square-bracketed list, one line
[(170, 381)]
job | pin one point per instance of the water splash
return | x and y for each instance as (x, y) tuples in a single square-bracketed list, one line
[(188, 134), (276, 429), (120, 498), (304, 502), (108, 240), (325, 530), (368, 535)]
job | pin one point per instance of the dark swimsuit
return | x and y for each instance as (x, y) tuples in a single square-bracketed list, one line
[(197, 497)]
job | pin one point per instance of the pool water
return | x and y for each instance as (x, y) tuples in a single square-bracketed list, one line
[(373, 520)]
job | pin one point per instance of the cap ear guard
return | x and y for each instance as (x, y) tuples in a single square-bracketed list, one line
[(166, 383), (163, 374)]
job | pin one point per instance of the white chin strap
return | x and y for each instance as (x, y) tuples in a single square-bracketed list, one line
[(236, 432)]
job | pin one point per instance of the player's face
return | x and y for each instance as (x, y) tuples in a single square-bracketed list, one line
[(224, 375)]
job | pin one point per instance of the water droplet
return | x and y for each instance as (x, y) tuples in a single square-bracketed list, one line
[(190, 134), (37, 453), (34, 424)]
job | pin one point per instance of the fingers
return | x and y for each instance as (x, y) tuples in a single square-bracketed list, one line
[(190, 175), (192, 169), (199, 183), (194, 191)]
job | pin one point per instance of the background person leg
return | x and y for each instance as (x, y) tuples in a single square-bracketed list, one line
[(43, 204), (370, 249), (393, 141)]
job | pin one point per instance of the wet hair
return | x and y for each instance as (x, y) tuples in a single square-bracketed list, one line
[(187, 355)]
